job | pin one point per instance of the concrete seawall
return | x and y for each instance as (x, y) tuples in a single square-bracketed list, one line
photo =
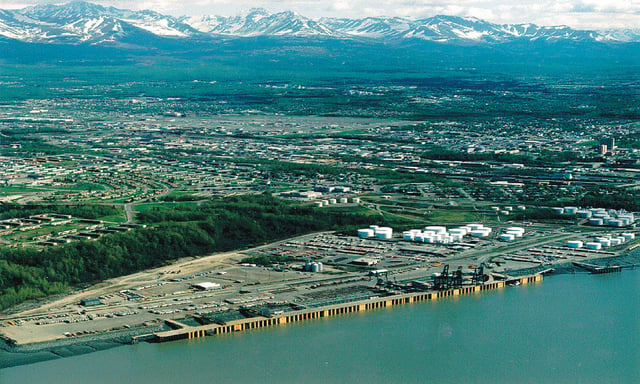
[(182, 331)]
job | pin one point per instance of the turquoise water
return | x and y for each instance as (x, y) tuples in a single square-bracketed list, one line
[(568, 329)]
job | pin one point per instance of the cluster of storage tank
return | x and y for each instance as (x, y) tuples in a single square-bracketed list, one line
[(508, 209), (382, 233), (313, 266), (440, 235), (600, 216), (342, 200), (602, 242), (512, 233)]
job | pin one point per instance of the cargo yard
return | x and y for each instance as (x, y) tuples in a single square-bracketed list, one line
[(196, 296)]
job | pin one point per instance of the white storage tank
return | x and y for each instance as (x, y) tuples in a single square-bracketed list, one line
[(383, 235), (319, 204), (463, 230), (614, 223), (325, 202), (408, 236), (593, 245), (332, 201), (479, 233), (605, 242), (522, 208), (365, 233), (514, 233), (508, 208), (575, 244), (570, 210), (374, 227), (597, 222), (507, 237), (504, 212), (344, 200), (629, 236), (615, 241), (457, 232), (622, 239), (356, 200), (475, 227), (558, 211), (436, 229), (515, 229), (584, 214), (384, 229)]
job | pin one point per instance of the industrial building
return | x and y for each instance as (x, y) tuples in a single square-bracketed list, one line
[(206, 286)]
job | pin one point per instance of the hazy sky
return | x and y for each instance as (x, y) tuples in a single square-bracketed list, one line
[(580, 14)]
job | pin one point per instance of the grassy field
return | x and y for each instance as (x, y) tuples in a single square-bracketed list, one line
[(452, 216), (4, 191), (161, 205), (82, 186), (121, 218)]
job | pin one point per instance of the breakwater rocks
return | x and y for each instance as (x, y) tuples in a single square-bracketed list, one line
[(12, 354)]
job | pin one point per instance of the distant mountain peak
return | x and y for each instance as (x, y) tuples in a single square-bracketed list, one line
[(82, 22)]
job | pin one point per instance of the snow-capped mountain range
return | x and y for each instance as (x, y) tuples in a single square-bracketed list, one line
[(80, 22)]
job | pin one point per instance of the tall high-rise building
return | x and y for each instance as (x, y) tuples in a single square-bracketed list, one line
[(610, 142)]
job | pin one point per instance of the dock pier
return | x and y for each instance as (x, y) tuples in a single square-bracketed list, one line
[(181, 331), (597, 269)]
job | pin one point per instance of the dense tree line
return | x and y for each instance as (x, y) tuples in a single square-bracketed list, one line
[(88, 211), (615, 199), (544, 157), (540, 214), (179, 231), (26, 145)]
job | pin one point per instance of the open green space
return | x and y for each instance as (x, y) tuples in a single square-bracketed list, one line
[(161, 206), (20, 190), (452, 216), (81, 186)]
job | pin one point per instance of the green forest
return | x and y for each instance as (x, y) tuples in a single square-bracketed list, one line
[(178, 231), (94, 211)]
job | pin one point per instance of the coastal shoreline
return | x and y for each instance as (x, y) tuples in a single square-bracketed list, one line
[(22, 354), (12, 354)]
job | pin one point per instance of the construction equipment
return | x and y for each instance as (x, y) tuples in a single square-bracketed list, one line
[(478, 276), (455, 280), (441, 280)]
